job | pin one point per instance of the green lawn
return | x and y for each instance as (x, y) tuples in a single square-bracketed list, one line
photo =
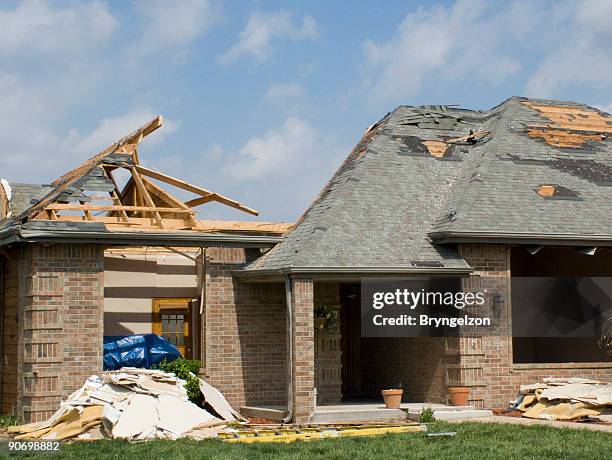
[(473, 440)]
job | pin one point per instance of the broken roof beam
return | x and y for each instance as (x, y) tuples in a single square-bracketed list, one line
[(205, 194)]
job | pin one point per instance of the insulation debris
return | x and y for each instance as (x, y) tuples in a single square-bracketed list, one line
[(133, 404), (565, 399)]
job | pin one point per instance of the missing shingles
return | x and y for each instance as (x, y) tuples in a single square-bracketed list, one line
[(590, 170), (570, 127), (415, 146), (556, 192), (412, 145)]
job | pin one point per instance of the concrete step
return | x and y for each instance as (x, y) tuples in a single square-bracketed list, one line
[(271, 412), (461, 414), (351, 415)]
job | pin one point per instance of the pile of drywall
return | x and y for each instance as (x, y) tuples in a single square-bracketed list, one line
[(133, 404), (566, 399)]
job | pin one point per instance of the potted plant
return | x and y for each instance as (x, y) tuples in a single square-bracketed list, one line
[(393, 397), (459, 395), (325, 319)]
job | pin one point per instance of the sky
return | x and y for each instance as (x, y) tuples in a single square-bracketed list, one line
[(262, 100)]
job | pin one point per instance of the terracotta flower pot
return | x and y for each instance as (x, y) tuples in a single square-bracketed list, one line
[(459, 395), (392, 397)]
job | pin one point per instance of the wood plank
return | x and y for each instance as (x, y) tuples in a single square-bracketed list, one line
[(169, 199), (194, 189), (179, 224), (103, 207), (145, 195), (115, 193)]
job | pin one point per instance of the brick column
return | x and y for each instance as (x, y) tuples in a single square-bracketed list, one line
[(61, 321), (303, 349), (485, 361)]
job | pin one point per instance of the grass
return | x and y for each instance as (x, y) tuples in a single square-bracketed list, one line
[(473, 440)]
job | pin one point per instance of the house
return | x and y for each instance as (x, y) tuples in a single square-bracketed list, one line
[(485, 198), (104, 250)]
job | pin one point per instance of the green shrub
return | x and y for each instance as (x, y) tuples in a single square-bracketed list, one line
[(9, 420), (427, 415), (186, 369)]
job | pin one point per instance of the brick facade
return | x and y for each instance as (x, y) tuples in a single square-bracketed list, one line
[(416, 364), (485, 363), (54, 299), (10, 331), (243, 333), (303, 349)]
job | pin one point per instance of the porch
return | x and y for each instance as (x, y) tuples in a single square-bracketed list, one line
[(369, 412)]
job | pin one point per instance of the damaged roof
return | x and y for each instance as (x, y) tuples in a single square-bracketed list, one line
[(88, 204), (423, 177)]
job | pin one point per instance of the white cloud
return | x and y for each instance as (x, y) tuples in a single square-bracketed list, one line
[(582, 55), (262, 28), (29, 139), (277, 150), (35, 26), (111, 129), (170, 25), (437, 43), (282, 94)]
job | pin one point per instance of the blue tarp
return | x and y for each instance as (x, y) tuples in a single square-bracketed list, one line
[(143, 350)]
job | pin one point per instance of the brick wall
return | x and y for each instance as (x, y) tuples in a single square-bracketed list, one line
[(418, 364), (61, 323), (9, 327), (303, 349), (485, 363), (244, 333)]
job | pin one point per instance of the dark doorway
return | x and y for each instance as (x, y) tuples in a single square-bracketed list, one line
[(350, 323)]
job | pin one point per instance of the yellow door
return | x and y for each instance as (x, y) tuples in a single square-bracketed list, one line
[(171, 320)]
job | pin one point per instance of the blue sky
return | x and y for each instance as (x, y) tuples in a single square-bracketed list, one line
[(263, 99)]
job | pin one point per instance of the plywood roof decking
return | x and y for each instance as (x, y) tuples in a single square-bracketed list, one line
[(397, 198), (89, 194)]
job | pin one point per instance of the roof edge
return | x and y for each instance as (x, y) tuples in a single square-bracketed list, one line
[(560, 239), (245, 273), (13, 235)]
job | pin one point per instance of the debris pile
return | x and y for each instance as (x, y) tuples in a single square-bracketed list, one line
[(566, 399), (133, 404)]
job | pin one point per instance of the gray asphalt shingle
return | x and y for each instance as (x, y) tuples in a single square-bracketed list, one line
[(381, 206)]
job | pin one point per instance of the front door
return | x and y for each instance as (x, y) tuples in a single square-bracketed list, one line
[(171, 320)]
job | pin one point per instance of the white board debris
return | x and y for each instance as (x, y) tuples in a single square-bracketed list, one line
[(133, 404)]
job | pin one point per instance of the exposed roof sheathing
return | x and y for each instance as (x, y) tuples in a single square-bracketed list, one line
[(529, 168)]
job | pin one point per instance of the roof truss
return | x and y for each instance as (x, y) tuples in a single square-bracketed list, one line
[(90, 193)]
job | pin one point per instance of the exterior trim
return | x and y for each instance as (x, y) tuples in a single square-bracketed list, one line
[(562, 239), (14, 235)]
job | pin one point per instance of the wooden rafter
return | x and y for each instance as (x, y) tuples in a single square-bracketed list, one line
[(168, 198), (68, 179), (100, 207), (144, 194), (114, 195), (194, 189), (142, 204)]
